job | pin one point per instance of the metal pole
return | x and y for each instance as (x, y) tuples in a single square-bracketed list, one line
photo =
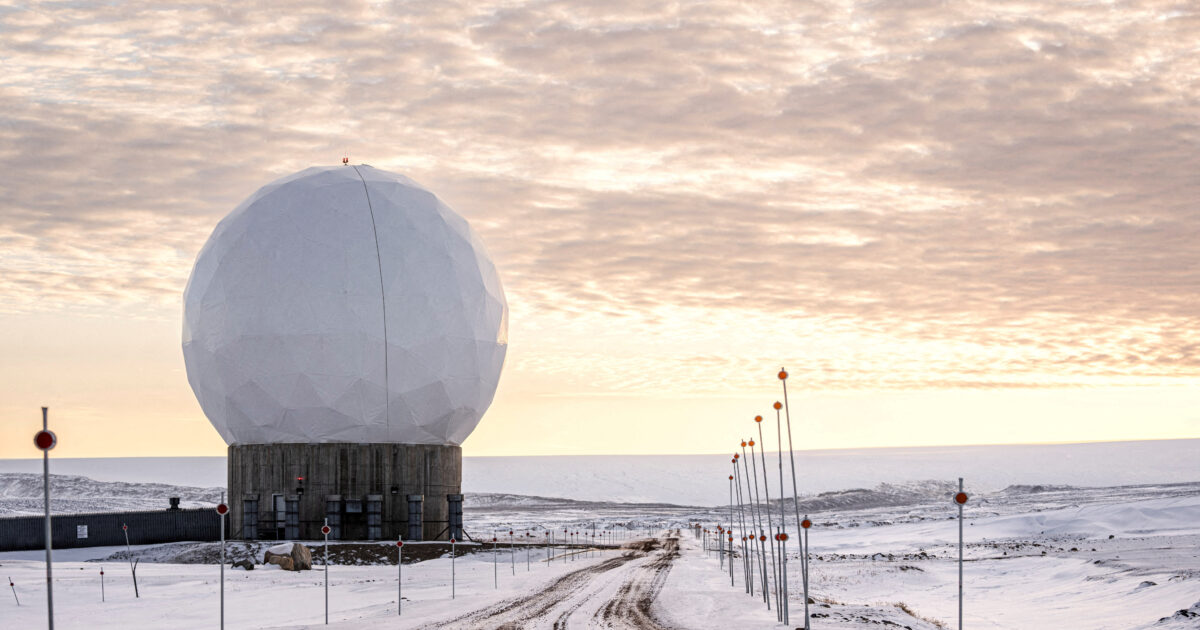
[(132, 564), (783, 608), (762, 453), (325, 531), (399, 575), (796, 498), (101, 584), (49, 543), (761, 532), (495, 565), (805, 573), (453, 554), (749, 583), (731, 530), (755, 520), (960, 557), (721, 546), (14, 590), (512, 553), (222, 517), (783, 572)]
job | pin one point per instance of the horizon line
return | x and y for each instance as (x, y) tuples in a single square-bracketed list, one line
[(813, 450)]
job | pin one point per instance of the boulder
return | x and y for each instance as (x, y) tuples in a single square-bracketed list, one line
[(298, 556), (301, 557), (284, 562), (243, 564)]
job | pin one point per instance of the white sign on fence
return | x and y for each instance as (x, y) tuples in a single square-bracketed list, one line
[(81, 531)]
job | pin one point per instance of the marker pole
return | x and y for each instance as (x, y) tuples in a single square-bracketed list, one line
[(805, 554), (49, 535), (221, 515), (762, 453), (755, 520), (14, 590), (783, 574), (399, 576), (132, 563), (453, 555), (325, 532), (512, 553), (783, 376), (764, 509), (721, 547), (495, 564), (101, 583), (749, 581), (783, 594), (960, 499), (731, 530), (804, 526)]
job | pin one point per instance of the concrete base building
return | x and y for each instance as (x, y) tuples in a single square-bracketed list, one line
[(364, 491)]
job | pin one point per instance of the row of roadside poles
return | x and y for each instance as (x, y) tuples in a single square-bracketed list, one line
[(763, 538), (754, 508), (569, 537)]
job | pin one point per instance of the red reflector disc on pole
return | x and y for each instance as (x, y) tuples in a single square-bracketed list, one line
[(325, 530), (806, 523), (45, 440), (222, 509), (960, 498)]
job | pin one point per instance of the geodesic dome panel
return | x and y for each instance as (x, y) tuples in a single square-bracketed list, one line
[(344, 304)]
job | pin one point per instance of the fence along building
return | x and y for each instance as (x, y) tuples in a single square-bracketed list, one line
[(19, 533)]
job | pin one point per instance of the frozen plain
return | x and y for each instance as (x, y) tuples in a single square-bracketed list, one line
[(1039, 556)]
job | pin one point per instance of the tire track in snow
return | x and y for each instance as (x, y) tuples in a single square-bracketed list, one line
[(562, 602)]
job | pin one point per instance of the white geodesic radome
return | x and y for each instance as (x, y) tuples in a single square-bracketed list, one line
[(344, 304)]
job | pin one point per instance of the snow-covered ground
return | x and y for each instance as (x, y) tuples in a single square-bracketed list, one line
[(1037, 557)]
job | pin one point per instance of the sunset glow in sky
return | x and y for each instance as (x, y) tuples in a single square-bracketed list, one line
[(954, 223)]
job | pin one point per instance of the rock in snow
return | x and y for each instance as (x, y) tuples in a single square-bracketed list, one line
[(289, 556)]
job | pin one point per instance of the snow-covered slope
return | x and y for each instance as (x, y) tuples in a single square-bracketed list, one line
[(21, 493), (701, 479)]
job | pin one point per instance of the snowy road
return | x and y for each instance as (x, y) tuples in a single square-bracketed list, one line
[(616, 593)]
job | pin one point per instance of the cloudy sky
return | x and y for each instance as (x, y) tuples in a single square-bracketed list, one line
[(953, 222)]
